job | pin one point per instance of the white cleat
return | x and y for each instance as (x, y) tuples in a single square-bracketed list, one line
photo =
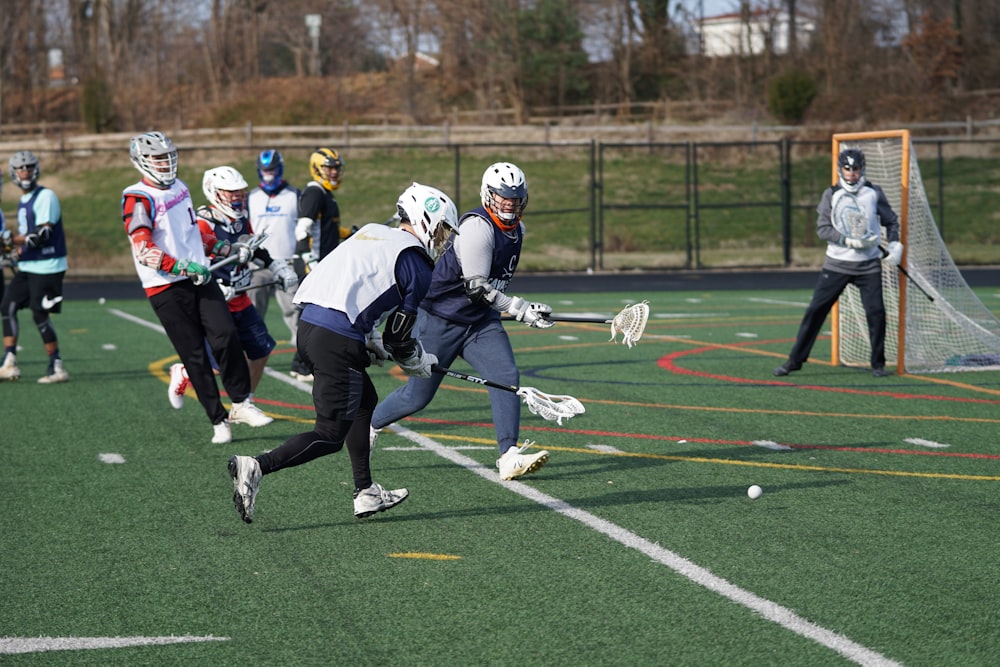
[(178, 385), (248, 413), (9, 370), (377, 499), (245, 471), (223, 433), (514, 462), (58, 374)]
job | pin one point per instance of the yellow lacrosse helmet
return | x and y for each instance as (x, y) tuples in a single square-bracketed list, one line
[(326, 167)]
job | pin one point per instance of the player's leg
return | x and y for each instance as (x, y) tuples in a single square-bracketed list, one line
[(15, 297), (828, 289), (439, 337), (870, 287)]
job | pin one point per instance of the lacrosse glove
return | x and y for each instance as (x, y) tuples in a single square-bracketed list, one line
[(198, 274), (228, 291), (867, 241), (6, 241), (895, 253), (376, 350), (285, 274), (531, 313), (419, 363)]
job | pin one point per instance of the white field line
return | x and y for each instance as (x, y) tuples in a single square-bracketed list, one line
[(783, 616), (772, 611), (778, 302), (11, 645)]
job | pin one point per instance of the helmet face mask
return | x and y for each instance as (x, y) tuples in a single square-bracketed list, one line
[(226, 191), (327, 168), (155, 156), (851, 164), (270, 171), (431, 214), (504, 193), (24, 161)]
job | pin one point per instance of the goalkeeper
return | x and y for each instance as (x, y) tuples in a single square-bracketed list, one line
[(461, 315), (851, 214)]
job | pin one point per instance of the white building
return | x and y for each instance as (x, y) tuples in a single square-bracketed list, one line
[(738, 34)]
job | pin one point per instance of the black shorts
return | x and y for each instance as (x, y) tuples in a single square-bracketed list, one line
[(40, 292)]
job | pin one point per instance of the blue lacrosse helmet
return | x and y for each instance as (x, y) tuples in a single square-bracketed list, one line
[(271, 162)]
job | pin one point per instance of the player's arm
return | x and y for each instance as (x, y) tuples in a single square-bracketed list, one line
[(413, 278), (887, 217), (138, 223), (474, 247), (47, 212), (824, 224)]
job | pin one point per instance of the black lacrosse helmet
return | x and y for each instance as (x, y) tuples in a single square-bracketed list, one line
[(851, 157)]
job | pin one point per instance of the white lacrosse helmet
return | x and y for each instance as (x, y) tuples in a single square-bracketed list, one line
[(432, 215), (507, 181), (226, 191), (24, 160), (155, 156)]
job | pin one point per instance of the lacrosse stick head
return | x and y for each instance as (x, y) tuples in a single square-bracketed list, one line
[(631, 322), (552, 407)]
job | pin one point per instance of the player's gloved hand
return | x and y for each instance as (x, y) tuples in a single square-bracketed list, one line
[(228, 291), (198, 274), (6, 241), (376, 351), (303, 228), (418, 364), (32, 240), (867, 241), (284, 274), (895, 255), (242, 250), (531, 313)]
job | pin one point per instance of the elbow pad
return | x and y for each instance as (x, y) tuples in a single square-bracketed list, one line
[(396, 336), (479, 290)]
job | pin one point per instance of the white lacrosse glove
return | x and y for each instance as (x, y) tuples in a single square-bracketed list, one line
[(303, 229), (867, 241), (243, 251), (228, 291), (419, 364), (376, 351), (285, 274), (895, 255), (531, 313)]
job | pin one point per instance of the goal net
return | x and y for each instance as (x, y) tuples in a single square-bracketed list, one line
[(934, 321)]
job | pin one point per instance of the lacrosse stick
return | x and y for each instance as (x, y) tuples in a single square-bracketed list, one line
[(253, 243), (885, 253), (240, 290), (631, 322), (547, 406)]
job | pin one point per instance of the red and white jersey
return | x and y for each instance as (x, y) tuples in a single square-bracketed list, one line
[(175, 227)]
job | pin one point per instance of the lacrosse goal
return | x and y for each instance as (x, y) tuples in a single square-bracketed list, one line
[(934, 321)]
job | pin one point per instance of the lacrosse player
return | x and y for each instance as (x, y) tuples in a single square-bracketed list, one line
[(318, 231), (851, 214), (41, 263), (225, 218), (274, 209), (380, 273), (460, 315), (171, 260)]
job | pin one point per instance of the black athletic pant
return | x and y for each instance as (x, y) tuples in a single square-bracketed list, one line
[(191, 315), (344, 398), (828, 289)]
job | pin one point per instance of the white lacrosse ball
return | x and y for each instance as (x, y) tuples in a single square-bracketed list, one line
[(754, 492)]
